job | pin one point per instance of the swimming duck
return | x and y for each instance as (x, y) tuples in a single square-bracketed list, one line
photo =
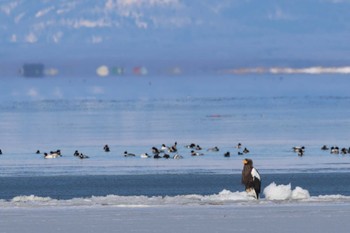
[(82, 156), (155, 150), (166, 156), (173, 148), (145, 156), (227, 154), (56, 153), (297, 148), (76, 153), (177, 156), (190, 146), (344, 151), (157, 156), (37, 152), (198, 147), (164, 148), (106, 148), (300, 152), (214, 149), (193, 153), (240, 153), (334, 150), (324, 147), (245, 151), (238, 146), (0, 152), (52, 155), (126, 154)]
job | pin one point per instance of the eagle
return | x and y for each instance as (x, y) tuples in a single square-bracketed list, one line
[(251, 178)]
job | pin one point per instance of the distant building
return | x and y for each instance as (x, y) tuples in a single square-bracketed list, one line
[(117, 70), (140, 70), (102, 71), (32, 70)]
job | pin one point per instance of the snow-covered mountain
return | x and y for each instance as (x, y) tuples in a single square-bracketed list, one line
[(86, 21), (197, 33)]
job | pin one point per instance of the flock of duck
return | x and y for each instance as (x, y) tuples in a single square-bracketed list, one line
[(300, 150), (168, 152)]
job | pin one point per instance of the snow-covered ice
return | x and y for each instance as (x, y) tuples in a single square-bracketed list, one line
[(272, 218)]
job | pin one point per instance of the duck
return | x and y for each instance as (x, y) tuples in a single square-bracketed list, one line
[(334, 150), (82, 156), (344, 151), (37, 152), (227, 154), (198, 147), (190, 146), (240, 153), (164, 148), (238, 146), (300, 152), (177, 156), (157, 156), (193, 153), (324, 147), (0, 152), (297, 148), (76, 153), (155, 150), (214, 149), (245, 151), (106, 148), (145, 156), (52, 155), (126, 154), (166, 156), (173, 148)]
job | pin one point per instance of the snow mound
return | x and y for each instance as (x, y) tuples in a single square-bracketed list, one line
[(285, 192)]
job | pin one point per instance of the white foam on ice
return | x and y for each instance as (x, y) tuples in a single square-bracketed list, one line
[(273, 192), (285, 192)]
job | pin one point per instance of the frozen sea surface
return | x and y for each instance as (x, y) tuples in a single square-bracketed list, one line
[(313, 218)]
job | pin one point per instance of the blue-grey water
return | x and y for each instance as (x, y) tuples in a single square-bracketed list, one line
[(69, 187)]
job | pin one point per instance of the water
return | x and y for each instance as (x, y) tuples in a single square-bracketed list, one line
[(268, 115), (69, 187)]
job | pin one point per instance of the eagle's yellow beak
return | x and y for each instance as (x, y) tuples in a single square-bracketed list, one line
[(245, 161)]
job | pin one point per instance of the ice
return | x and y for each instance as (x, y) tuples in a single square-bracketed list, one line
[(298, 194), (281, 193), (30, 198), (224, 197), (269, 218), (285, 192)]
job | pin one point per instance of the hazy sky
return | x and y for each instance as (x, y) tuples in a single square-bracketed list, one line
[(206, 33)]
